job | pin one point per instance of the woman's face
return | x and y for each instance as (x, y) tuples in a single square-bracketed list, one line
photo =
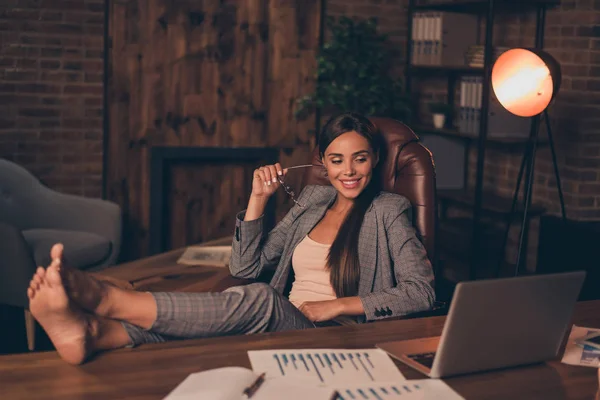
[(349, 161)]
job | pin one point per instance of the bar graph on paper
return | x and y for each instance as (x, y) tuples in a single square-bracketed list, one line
[(424, 389), (326, 367)]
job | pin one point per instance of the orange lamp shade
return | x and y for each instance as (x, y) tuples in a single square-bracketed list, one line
[(525, 81)]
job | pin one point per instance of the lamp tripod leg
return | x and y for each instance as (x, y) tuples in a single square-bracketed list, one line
[(527, 194), (513, 207), (555, 165)]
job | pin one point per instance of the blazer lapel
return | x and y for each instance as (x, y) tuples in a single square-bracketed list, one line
[(367, 252)]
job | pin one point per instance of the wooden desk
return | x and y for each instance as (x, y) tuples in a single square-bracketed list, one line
[(152, 371), (162, 273)]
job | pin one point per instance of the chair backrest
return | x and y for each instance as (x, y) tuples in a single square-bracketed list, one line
[(407, 170)]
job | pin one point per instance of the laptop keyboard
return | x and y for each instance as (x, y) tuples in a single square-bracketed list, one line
[(425, 359)]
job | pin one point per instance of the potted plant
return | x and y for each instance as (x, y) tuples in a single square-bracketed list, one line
[(353, 73), (440, 111)]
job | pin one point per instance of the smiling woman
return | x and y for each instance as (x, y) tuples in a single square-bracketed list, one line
[(350, 152), (349, 250)]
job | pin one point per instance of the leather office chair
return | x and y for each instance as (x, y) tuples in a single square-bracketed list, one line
[(407, 169)]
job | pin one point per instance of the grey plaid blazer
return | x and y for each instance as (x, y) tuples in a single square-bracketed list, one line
[(396, 276)]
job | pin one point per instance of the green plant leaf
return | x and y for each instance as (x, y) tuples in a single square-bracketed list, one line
[(353, 72)]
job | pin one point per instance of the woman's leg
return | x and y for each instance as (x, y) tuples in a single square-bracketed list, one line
[(101, 298), (253, 308), (245, 309), (75, 334)]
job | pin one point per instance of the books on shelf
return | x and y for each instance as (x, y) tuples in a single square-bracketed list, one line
[(475, 55), (442, 38)]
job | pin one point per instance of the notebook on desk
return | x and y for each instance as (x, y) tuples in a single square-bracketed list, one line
[(494, 324)]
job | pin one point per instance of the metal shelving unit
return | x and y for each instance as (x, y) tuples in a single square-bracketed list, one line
[(487, 8)]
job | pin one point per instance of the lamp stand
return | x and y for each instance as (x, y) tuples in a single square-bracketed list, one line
[(529, 161)]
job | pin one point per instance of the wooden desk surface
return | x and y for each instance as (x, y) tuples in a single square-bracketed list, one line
[(162, 273), (152, 371)]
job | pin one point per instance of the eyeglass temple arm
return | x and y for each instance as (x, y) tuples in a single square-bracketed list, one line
[(303, 166)]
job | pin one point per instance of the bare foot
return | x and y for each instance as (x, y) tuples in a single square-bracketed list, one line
[(91, 294), (70, 330)]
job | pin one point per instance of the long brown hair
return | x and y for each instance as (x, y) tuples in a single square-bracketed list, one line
[(342, 260)]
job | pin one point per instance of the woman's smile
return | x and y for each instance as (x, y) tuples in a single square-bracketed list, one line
[(350, 183)]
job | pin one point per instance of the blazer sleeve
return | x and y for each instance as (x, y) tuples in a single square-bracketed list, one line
[(411, 267), (253, 251)]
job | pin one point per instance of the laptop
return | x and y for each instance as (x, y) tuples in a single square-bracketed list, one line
[(494, 324)]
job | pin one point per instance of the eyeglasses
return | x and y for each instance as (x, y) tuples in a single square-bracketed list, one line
[(288, 189)]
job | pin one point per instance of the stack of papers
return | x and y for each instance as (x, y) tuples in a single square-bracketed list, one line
[(315, 374), (583, 355)]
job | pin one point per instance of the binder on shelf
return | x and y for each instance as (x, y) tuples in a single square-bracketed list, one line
[(462, 112), (501, 123), (478, 82), (442, 38), (418, 36)]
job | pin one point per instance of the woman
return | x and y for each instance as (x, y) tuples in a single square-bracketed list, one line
[(347, 250)]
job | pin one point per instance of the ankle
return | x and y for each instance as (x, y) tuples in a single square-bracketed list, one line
[(108, 300)]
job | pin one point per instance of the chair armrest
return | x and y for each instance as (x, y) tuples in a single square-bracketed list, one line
[(16, 267)]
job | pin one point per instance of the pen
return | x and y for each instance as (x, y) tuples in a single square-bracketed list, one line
[(251, 390)]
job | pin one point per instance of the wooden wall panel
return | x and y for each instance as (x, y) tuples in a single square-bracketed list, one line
[(202, 199), (211, 73)]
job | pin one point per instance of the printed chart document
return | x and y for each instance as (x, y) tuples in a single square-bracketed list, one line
[(327, 367), (576, 354), (229, 384), (424, 389)]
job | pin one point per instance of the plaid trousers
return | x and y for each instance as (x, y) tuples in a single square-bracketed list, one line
[(253, 308)]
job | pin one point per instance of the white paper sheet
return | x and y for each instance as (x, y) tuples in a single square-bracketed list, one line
[(326, 367), (229, 384), (576, 354), (212, 256), (423, 389)]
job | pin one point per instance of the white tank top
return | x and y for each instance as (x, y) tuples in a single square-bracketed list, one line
[(311, 281)]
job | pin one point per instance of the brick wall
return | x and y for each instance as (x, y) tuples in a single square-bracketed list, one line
[(51, 91)]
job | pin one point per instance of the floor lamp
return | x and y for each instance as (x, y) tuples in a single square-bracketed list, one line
[(525, 81)]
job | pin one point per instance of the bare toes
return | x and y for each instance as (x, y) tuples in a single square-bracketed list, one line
[(41, 271), (57, 251), (30, 293)]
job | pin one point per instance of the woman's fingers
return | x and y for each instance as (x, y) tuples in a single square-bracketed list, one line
[(267, 171), (279, 170), (260, 175), (273, 171), (270, 176)]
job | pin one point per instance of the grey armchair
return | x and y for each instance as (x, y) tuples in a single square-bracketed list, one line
[(34, 217)]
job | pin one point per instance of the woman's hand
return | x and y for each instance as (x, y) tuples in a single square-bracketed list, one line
[(265, 182), (319, 311)]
